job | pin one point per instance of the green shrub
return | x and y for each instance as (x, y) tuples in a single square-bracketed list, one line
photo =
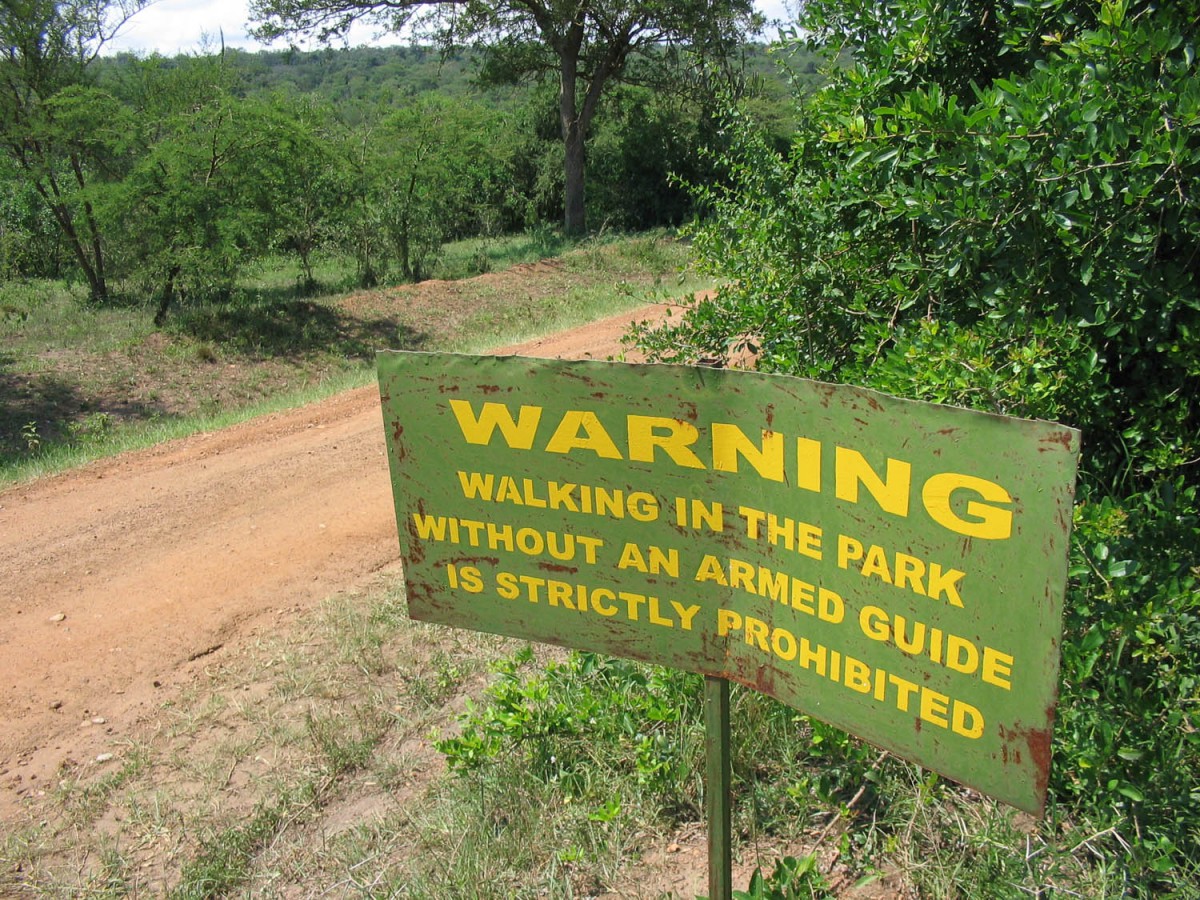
[(585, 723), (993, 205)]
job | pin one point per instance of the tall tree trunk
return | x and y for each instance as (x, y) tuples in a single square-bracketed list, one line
[(575, 217), (576, 113), (304, 250), (573, 133), (406, 224), (168, 294), (90, 218), (405, 251)]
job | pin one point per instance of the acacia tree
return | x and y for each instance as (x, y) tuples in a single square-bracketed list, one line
[(61, 133), (587, 45), (219, 178)]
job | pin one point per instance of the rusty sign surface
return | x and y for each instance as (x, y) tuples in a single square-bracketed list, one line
[(890, 567)]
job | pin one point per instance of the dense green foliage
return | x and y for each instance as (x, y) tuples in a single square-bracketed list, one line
[(60, 137), (994, 205), (164, 179)]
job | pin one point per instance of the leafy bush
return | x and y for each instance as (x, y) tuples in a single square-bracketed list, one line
[(993, 205), (1127, 737), (1062, 192)]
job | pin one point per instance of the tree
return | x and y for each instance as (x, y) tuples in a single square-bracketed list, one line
[(62, 133), (917, 190), (31, 243), (302, 192), (432, 171), (216, 180), (585, 45)]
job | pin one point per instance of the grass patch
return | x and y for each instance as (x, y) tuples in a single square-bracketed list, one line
[(81, 445), (225, 858), (78, 381), (478, 256)]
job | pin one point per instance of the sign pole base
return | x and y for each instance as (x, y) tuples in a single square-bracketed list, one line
[(718, 779)]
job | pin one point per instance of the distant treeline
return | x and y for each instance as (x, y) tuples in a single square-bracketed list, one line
[(373, 76), (157, 178)]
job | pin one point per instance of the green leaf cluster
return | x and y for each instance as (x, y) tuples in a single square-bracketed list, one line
[(587, 724), (792, 879)]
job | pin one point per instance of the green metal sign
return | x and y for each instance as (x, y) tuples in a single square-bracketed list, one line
[(893, 568)]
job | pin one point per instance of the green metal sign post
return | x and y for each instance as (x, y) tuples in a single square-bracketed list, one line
[(717, 788), (893, 568)]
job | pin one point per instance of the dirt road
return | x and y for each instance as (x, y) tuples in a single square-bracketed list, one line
[(117, 580)]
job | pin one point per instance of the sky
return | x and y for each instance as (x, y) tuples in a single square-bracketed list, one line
[(181, 26)]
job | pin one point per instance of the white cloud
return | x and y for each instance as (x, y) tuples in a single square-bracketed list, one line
[(181, 26), (171, 27)]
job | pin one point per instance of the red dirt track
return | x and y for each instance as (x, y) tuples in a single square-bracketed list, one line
[(119, 578)]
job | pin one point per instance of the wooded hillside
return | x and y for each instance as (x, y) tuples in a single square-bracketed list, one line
[(155, 179)]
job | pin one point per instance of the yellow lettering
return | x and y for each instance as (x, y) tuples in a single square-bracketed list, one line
[(664, 562), (506, 586), (997, 668), (934, 707), (602, 602), (910, 569), (756, 632), (476, 486), (966, 720), (961, 654), (848, 550), (727, 621), (858, 675), (673, 436), (655, 618), (914, 643), (567, 435), (833, 608), (558, 593), (643, 507), (518, 434), (685, 613), (729, 442), (471, 579), (876, 564), (869, 621), (904, 690), (890, 492), (808, 464), (986, 520), (945, 581), (710, 569), (741, 575), (813, 656), (783, 644), (631, 558), (803, 596)]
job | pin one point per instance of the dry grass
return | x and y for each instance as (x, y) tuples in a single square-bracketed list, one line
[(288, 749)]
